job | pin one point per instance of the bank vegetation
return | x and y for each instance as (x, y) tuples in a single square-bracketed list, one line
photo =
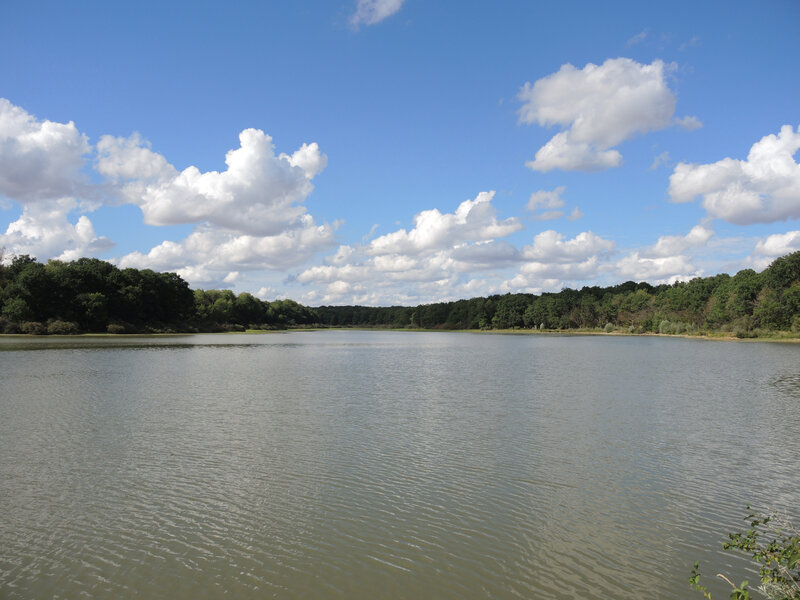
[(91, 295)]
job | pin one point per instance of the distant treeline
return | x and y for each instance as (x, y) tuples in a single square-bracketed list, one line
[(90, 295), (747, 305)]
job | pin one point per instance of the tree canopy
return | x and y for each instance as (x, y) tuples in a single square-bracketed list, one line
[(91, 295)]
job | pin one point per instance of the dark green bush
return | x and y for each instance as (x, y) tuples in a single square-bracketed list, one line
[(32, 328), (57, 327)]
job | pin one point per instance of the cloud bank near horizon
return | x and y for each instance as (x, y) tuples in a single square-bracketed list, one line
[(251, 218)]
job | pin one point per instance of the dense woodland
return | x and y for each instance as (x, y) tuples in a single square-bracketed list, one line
[(90, 295), (748, 304)]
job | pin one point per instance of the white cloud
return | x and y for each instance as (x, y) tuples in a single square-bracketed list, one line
[(599, 107), (551, 247), (44, 231), (484, 255), (549, 203), (259, 194), (779, 244), (546, 199), (637, 39), (665, 261), (40, 168), (39, 160), (431, 258), (473, 221), (670, 245), (688, 123), (587, 268), (249, 217), (265, 293), (658, 161), (774, 246), (664, 269), (562, 152), (552, 260), (211, 253), (762, 189), (370, 12), (575, 214)]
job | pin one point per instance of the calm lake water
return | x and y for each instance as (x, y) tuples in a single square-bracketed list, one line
[(347, 464)]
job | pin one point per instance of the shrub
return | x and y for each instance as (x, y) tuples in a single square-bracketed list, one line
[(32, 328), (778, 558), (57, 327), (116, 328), (608, 328)]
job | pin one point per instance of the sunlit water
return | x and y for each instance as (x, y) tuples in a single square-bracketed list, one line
[(386, 464)]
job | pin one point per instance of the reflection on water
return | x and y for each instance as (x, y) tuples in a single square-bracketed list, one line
[(367, 464)]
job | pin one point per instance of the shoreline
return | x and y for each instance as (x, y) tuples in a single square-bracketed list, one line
[(779, 337)]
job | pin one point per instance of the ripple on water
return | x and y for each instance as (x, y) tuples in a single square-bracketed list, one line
[(366, 464)]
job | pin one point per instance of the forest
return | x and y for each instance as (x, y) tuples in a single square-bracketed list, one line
[(748, 304), (89, 295)]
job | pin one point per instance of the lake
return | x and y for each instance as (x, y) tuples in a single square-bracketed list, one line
[(368, 464)]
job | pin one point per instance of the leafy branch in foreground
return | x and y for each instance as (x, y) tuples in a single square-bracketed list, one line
[(775, 545)]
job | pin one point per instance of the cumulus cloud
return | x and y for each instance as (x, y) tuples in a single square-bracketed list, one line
[(547, 199), (562, 152), (662, 269), (779, 244), (485, 255), (43, 230), (669, 245), (39, 160), (259, 194), (212, 254), (433, 257), (552, 247), (774, 246), (762, 189), (370, 12), (473, 221), (248, 217), (40, 168), (599, 106), (665, 261), (548, 203), (552, 259)]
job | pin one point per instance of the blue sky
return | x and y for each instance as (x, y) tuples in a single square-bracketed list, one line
[(398, 152)]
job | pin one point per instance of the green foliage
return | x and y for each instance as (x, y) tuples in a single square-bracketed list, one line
[(742, 305), (783, 272), (57, 327), (32, 328), (16, 309), (100, 297), (774, 545)]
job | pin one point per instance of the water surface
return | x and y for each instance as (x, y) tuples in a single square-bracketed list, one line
[(347, 464)]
